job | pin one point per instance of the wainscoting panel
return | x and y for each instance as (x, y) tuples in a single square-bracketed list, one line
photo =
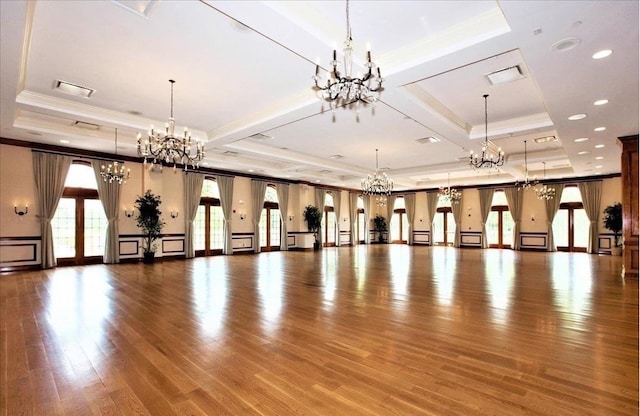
[(471, 239), (345, 238), (421, 237), (242, 242), (19, 251), (172, 246), (533, 241)]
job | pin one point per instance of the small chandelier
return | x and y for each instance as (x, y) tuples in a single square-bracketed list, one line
[(166, 147), (115, 171), (528, 183), (544, 192), (487, 159), (343, 89), (450, 194), (378, 184)]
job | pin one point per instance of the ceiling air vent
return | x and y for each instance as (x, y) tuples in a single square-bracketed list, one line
[(260, 137), (74, 89), (429, 139), (86, 126), (546, 139), (505, 75)]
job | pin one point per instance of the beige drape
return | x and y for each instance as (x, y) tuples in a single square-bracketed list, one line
[(432, 207), (514, 201), (486, 198), (367, 209), (319, 203), (192, 191), (410, 206), (591, 193), (109, 195), (225, 186), (353, 214), (551, 208), (456, 209), (282, 190), (50, 172), (258, 189)]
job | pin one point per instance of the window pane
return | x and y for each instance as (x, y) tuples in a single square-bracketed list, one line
[(405, 229), (271, 195), (492, 228), (561, 228), (331, 227), (275, 228), (580, 228), (438, 228), (198, 229), (95, 228), (499, 198), (507, 229), (571, 194), (210, 189), (361, 226), (451, 228), (328, 200), (81, 176), (443, 202), (263, 228), (63, 226), (394, 227), (360, 203), (216, 228), (399, 203)]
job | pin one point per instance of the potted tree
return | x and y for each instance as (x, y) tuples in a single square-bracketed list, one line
[(313, 218), (612, 221), (148, 220), (380, 226)]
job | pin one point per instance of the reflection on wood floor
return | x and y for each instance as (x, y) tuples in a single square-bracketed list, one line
[(370, 330)]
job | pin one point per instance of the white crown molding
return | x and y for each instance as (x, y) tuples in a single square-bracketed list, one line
[(515, 125)]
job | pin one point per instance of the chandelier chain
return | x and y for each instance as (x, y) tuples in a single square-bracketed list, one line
[(486, 160)]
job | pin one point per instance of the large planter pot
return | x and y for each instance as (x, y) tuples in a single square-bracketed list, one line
[(148, 257)]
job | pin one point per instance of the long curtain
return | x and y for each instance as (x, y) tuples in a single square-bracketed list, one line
[(514, 201), (391, 202), (486, 198), (366, 199), (337, 209), (551, 208), (410, 206), (432, 208), (456, 209), (109, 195), (50, 172), (192, 191), (319, 203), (591, 194), (258, 189), (353, 214), (225, 186), (282, 190)]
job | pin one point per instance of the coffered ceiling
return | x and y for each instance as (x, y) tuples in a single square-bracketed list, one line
[(243, 83)]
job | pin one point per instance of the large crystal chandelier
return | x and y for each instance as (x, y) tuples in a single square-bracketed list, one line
[(487, 159), (115, 171), (450, 194), (344, 89), (159, 146), (377, 184), (527, 183), (545, 192)]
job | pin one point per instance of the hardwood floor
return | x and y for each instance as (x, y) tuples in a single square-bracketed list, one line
[(370, 330)]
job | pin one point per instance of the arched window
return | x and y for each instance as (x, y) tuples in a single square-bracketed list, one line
[(270, 221), (208, 237), (500, 223), (444, 225), (571, 224), (79, 225), (399, 225), (329, 221)]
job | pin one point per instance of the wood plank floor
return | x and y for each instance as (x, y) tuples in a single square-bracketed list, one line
[(370, 330)]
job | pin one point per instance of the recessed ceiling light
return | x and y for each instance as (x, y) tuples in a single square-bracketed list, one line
[(565, 44), (602, 54), (599, 157), (577, 117), (584, 152), (546, 139), (581, 139), (64, 141), (598, 166), (74, 89), (600, 129), (250, 170), (599, 146), (601, 102)]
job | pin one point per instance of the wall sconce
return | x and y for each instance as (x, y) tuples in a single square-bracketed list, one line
[(174, 214), (128, 213), (243, 216), (533, 218), (21, 211), (420, 219), (290, 217), (469, 211), (345, 219)]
